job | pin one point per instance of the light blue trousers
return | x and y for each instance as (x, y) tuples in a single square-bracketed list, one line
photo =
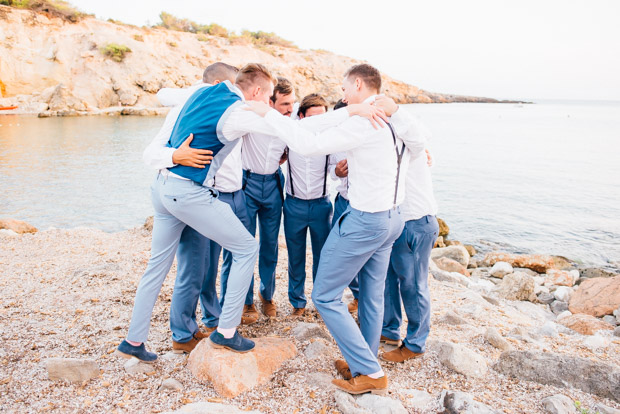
[(340, 206), (178, 203), (360, 243), (301, 217), (407, 278), (197, 255), (263, 199)]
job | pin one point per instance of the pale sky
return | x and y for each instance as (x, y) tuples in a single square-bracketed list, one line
[(526, 49)]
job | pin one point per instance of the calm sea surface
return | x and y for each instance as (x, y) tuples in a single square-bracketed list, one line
[(541, 178)]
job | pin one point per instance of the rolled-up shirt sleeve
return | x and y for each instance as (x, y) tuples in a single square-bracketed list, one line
[(413, 133), (157, 155)]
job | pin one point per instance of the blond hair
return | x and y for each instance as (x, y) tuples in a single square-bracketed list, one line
[(251, 74)]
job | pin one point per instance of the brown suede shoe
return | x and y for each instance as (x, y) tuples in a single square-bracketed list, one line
[(363, 384), (250, 314), (187, 347), (352, 306), (388, 341), (343, 369), (207, 330), (298, 312), (400, 354), (268, 307)]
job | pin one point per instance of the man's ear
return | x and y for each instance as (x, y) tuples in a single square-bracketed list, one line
[(301, 116), (215, 82), (271, 103), (256, 91), (358, 84)]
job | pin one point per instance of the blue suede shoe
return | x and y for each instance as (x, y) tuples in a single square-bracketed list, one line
[(126, 350), (237, 343)]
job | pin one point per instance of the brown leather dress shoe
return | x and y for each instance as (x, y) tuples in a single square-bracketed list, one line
[(298, 312), (268, 307), (388, 341), (343, 369), (400, 354), (207, 330), (363, 384), (187, 347), (249, 315), (352, 306)]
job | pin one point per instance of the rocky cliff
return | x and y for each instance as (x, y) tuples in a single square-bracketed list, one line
[(56, 67)]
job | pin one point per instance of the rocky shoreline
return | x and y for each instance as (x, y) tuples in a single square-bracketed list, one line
[(502, 339)]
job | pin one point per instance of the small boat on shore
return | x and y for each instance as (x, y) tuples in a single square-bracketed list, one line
[(6, 108)]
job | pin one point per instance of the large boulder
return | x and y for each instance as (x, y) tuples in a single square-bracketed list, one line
[(71, 369), (516, 286), (562, 371), (232, 373), (558, 404), (458, 253), (596, 297), (367, 404), (17, 226), (585, 324), (538, 262), (501, 269), (457, 402), (561, 277), (461, 359)]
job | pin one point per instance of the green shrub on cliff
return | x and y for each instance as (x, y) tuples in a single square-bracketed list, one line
[(115, 51), (54, 8)]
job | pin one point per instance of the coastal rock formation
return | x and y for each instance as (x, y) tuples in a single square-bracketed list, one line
[(57, 67), (461, 359), (18, 226), (450, 265), (585, 324), (537, 262), (597, 297), (562, 371), (458, 253), (516, 286), (232, 373)]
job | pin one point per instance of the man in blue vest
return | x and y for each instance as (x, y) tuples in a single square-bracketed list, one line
[(184, 196)]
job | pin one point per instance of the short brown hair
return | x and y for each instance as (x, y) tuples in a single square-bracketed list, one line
[(251, 74), (368, 74), (219, 71), (310, 101), (283, 87)]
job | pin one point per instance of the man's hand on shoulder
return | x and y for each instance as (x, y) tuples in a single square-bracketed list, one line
[(342, 169), (191, 157), (387, 104), (374, 114)]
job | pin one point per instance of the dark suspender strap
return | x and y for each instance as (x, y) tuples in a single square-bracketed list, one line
[(290, 176), (279, 182), (247, 174), (325, 178), (399, 158)]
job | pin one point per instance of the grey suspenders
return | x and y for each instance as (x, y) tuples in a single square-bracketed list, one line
[(399, 158), (290, 175)]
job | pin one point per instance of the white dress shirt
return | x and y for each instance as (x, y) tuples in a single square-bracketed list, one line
[(308, 175), (261, 153), (343, 182), (371, 154), (419, 198)]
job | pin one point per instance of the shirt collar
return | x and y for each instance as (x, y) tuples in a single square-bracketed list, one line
[(370, 99), (235, 89)]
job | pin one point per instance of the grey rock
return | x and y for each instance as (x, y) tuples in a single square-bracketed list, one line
[(590, 272), (456, 402), (211, 408), (491, 299), (443, 276), (304, 331), (562, 371), (617, 331), (380, 405), (558, 307), (134, 366), (501, 269), (346, 404), (516, 286), (71, 369), (451, 318), (548, 329), (462, 359), (171, 384), (558, 404), (546, 298), (617, 313), (493, 336), (610, 319), (316, 349), (603, 409), (458, 253), (417, 399)]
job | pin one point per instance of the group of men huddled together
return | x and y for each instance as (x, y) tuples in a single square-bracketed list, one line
[(219, 154)]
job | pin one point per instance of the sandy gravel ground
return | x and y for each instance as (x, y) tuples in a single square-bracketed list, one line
[(69, 293)]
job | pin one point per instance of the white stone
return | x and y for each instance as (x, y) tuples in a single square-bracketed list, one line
[(493, 336), (558, 404), (540, 289), (539, 280), (610, 320), (211, 408), (456, 252), (134, 366), (548, 329), (304, 331), (596, 342), (563, 293), (462, 359), (575, 274), (501, 269), (7, 232), (463, 280), (564, 315), (171, 384)]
